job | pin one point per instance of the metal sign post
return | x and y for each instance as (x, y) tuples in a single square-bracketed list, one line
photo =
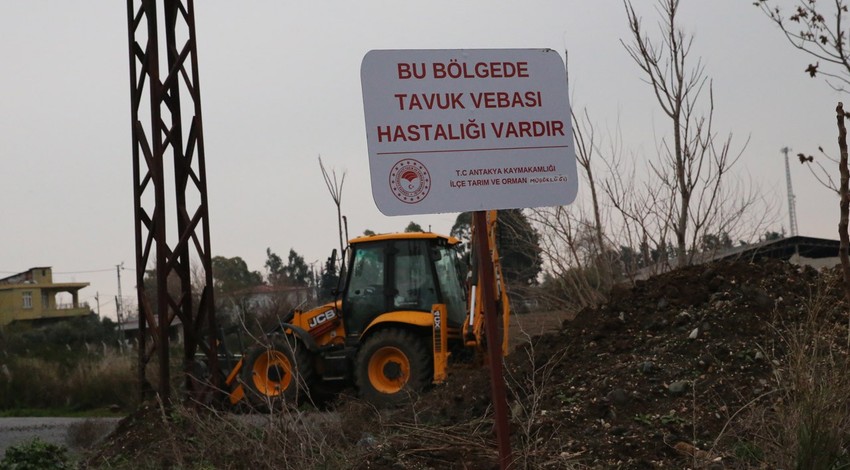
[(494, 339)]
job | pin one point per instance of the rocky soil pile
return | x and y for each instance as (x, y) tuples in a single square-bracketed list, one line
[(683, 370)]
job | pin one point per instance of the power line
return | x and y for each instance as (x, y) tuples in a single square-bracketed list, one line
[(84, 272), (70, 272)]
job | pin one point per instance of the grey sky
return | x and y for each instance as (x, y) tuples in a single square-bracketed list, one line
[(280, 85)]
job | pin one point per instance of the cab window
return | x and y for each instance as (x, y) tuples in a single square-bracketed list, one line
[(414, 279), (449, 272), (365, 294)]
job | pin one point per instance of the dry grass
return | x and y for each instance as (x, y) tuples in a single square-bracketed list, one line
[(87, 434), (806, 425), (31, 382), (107, 381), (96, 381), (183, 437)]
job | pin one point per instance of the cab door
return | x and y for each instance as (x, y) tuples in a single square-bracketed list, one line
[(366, 295)]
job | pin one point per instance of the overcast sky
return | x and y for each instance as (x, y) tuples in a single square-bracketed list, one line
[(280, 83)]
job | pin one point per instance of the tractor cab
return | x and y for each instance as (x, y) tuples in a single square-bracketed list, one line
[(402, 273)]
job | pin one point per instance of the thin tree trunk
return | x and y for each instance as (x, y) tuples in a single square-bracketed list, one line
[(844, 205)]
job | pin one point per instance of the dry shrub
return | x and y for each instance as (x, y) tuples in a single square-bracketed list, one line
[(183, 437), (289, 439), (96, 381), (807, 426), (86, 434), (106, 380), (529, 381), (30, 383)]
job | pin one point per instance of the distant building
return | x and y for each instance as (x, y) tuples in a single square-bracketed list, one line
[(267, 299), (130, 330), (31, 296), (803, 251)]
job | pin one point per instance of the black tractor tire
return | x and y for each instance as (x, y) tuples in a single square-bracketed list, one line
[(277, 374), (392, 366)]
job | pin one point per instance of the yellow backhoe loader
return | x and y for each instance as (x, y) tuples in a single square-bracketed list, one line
[(407, 304)]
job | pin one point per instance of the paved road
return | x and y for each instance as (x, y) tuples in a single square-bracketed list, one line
[(14, 431)]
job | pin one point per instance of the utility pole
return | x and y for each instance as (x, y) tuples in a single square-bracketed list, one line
[(97, 299), (792, 203), (119, 301)]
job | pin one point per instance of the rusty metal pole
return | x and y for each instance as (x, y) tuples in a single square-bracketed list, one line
[(494, 339), (159, 307), (148, 177)]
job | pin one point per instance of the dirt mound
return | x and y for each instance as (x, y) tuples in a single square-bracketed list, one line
[(660, 374)]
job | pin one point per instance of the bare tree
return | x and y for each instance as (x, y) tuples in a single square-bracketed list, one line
[(822, 34), (585, 135), (568, 247), (694, 164), (572, 242), (579, 257), (844, 205), (817, 28), (335, 189), (642, 214), (689, 193)]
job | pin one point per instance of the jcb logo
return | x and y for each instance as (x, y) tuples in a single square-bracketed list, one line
[(323, 317), (437, 319)]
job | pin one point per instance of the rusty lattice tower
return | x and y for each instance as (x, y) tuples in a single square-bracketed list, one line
[(166, 121)]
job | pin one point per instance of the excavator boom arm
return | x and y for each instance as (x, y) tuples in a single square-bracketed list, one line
[(473, 328)]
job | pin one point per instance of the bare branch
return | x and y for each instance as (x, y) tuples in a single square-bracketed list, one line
[(334, 186), (807, 29)]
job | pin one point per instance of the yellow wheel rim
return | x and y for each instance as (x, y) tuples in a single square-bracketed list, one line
[(272, 373), (389, 369)]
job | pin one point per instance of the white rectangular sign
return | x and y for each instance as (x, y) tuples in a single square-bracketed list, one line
[(466, 130)]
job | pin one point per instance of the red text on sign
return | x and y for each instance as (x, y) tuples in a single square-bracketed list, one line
[(455, 69), (429, 101), (407, 71), (503, 99)]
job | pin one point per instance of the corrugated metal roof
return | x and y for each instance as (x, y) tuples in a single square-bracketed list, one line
[(782, 248)]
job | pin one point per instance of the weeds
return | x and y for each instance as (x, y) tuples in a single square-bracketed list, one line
[(530, 384), (184, 437), (87, 433), (807, 426), (36, 455), (108, 380)]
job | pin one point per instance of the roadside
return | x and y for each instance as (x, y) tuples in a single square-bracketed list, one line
[(73, 433)]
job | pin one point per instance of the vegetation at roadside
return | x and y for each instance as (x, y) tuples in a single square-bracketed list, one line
[(36, 455), (67, 367)]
